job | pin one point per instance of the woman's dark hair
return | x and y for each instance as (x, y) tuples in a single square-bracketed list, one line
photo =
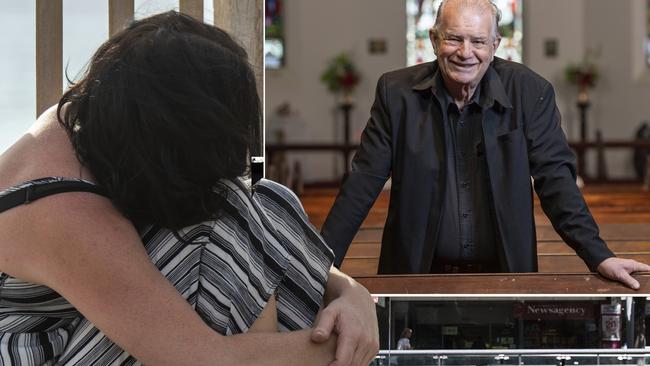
[(165, 109)]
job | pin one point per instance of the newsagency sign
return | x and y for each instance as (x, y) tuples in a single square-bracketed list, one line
[(555, 311)]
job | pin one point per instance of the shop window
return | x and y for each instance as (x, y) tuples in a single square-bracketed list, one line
[(511, 323), (421, 14)]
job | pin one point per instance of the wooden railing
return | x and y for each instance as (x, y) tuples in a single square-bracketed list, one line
[(346, 150), (600, 146), (242, 18), (495, 284)]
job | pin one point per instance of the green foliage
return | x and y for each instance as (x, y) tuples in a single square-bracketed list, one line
[(583, 74), (340, 74)]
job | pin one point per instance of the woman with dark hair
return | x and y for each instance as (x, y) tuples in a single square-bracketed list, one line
[(150, 146)]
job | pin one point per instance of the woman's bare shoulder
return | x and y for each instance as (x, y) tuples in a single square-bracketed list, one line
[(54, 230), (36, 231), (43, 151)]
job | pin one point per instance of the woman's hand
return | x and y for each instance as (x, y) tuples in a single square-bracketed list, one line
[(349, 312)]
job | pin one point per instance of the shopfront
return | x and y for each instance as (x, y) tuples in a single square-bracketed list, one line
[(513, 323)]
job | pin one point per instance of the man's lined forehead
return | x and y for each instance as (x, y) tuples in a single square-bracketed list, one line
[(482, 6), (476, 4)]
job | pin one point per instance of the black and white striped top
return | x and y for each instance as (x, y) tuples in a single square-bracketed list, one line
[(227, 269)]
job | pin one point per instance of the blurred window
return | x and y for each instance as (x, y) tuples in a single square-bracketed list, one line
[(274, 34), (647, 38)]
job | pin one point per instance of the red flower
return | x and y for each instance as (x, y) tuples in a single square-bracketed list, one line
[(349, 80)]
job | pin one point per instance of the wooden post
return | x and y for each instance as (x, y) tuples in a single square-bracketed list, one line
[(346, 107), (120, 12), (193, 8), (243, 19), (49, 53), (601, 171)]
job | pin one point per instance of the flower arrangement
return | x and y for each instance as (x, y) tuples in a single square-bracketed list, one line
[(340, 75), (583, 74)]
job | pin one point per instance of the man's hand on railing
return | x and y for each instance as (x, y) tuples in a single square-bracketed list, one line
[(619, 269)]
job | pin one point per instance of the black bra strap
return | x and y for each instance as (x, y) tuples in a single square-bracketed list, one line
[(39, 190)]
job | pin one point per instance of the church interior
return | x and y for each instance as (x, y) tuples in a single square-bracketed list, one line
[(311, 132), (596, 55)]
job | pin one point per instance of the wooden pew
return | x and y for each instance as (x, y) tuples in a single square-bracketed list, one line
[(616, 231), (626, 240), (569, 263), (549, 248), (623, 214)]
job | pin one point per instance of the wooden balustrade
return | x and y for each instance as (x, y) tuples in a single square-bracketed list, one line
[(345, 149), (243, 18)]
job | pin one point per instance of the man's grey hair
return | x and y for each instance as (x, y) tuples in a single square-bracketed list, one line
[(475, 4)]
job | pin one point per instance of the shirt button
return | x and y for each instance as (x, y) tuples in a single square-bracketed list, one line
[(465, 214), (464, 185)]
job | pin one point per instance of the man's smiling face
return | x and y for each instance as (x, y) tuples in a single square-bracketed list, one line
[(465, 45)]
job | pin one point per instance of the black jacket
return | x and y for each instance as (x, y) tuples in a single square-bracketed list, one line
[(404, 139)]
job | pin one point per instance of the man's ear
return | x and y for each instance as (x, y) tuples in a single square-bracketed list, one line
[(496, 43), (434, 40)]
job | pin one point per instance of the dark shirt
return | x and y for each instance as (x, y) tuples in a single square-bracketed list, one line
[(467, 226)]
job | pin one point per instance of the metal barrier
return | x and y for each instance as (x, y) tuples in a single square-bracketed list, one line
[(513, 357)]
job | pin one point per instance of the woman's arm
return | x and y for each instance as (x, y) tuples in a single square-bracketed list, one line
[(349, 309), (350, 313), (80, 246)]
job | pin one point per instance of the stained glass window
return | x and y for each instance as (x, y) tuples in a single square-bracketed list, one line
[(421, 15), (274, 34)]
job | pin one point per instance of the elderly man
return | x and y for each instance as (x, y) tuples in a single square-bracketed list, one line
[(461, 138)]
